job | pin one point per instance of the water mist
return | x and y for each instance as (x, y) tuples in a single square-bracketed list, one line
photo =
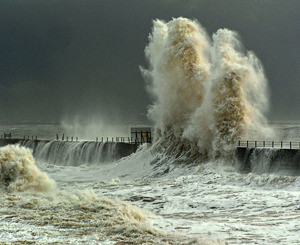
[(208, 93)]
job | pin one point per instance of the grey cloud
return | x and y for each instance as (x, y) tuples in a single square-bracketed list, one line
[(65, 58)]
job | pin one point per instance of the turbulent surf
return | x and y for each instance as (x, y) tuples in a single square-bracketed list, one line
[(208, 93)]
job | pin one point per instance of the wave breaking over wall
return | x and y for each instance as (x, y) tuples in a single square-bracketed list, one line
[(264, 160), (208, 93), (76, 153)]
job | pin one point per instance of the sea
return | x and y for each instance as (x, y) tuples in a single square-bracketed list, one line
[(147, 197), (208, 92)]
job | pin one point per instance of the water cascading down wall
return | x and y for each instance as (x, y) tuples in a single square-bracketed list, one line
[(76, 152)]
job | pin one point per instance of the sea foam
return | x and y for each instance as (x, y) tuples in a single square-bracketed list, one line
[(18, 171), (208, 92)]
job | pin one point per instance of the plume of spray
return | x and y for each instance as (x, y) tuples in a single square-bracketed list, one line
[(208, 93), (18, 171)]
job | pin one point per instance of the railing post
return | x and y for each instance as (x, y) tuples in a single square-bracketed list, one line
[(281, 144), (63, 137), (264, 143), (255, 143), (290, 145), (136, 137), (239, 143), (272, 144)]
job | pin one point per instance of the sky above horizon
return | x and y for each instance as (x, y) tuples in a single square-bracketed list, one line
[(78, 60)]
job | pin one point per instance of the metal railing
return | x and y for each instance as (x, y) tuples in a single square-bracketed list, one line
[(268, 144), (130, 140)]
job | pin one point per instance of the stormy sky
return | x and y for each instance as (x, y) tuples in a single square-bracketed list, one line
[(67, 60)]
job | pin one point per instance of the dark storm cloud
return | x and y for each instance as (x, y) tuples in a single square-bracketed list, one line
[(64, 58)]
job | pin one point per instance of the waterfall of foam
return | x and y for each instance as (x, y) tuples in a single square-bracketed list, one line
[(76, 153)]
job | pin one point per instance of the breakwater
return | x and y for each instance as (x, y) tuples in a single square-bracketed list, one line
[(74, 153), (268, 159)]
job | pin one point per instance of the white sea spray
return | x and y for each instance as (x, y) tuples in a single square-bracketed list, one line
[(208, 93), (18, 171)]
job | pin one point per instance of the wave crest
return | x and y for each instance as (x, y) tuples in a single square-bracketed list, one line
[(18, 171), (208, 92)]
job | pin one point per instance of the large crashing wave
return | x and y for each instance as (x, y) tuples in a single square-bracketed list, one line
[(208, 93), (29, 201), (18, 171)]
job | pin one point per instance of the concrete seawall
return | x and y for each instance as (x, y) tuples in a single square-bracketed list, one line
[(74, 152), (268, 160)]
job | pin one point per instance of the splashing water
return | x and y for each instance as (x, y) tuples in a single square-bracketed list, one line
[(208, 93), (18, 171), (32, 204)]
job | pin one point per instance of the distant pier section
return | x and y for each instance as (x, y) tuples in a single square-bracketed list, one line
[(268, 157), (72, 151), (139, 135)]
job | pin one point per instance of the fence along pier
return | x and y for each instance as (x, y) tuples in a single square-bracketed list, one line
[(268, 157), (139, 135), (268, 144)]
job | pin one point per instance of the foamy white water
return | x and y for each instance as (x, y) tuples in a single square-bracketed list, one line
[(34, 210), (208, 92), (185, 188), (157, 202)]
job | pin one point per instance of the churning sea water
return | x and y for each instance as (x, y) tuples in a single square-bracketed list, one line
[(145, 198), (209, 92)]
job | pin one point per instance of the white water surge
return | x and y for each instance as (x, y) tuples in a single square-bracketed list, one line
[(32, 209), (208, 93), (78, 152), (184, 189), (18, 171)]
